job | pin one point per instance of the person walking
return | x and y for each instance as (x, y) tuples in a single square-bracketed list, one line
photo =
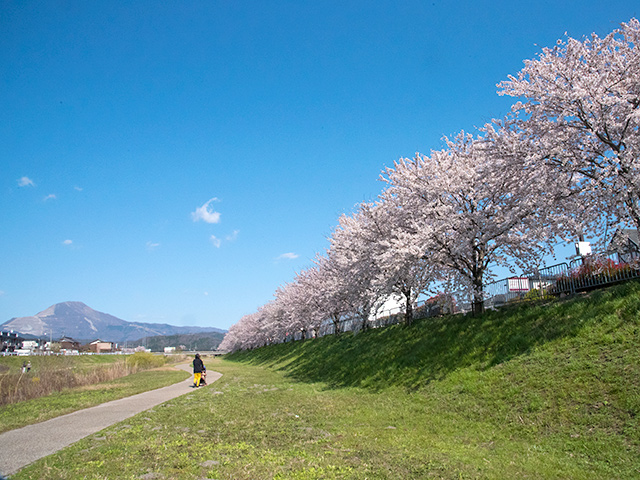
[(198, 368)]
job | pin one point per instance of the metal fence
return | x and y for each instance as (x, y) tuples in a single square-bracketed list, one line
[(439, 305), (530, 286), (599, 271), (579, 275)]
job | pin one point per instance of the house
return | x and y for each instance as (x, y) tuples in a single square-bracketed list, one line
[(31, 345), (625, 243), (393, 304), (98, 346), (10, 342), (68, 343)]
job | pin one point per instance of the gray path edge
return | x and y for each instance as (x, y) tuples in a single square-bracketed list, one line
[(23, 446)]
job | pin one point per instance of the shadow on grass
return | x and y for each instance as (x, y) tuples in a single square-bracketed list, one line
[(428, 350)]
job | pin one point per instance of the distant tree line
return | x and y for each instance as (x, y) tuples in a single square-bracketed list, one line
[(205, 341)]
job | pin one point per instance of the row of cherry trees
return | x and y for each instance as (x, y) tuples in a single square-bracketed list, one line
[(564, 162)]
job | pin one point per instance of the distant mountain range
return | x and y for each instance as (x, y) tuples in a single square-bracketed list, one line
[(80, 322), (203, 341)]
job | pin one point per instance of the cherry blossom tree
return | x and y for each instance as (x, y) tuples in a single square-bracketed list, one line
[(582, 100), (567, 160), (230, 342), (243, 335), (354, 268), (475, 204), (272, 326), (307, 299), (263, 327), (292, 310), (323, 284), (402, 269), (306, 303)]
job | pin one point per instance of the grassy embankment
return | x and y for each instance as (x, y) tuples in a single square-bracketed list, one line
[(57, 385), (541, 391)]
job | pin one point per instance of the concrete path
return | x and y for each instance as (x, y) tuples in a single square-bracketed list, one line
[(22, 446)]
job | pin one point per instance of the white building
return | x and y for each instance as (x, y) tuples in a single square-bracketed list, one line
[(31, 345)]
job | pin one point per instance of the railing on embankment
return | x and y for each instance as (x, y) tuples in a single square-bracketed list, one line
[(579, 275)]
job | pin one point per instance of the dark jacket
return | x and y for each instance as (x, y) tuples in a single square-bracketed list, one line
[(198, 366)]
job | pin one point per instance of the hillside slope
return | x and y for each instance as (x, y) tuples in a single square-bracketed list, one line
[(604, 321), (565, 373)]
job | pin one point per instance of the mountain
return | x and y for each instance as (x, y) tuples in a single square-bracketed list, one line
[(77, 320)]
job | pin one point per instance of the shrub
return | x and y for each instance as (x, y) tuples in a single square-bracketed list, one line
[(440, 304), (593, 272), (144, 361)]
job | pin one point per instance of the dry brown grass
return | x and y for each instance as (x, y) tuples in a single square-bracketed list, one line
[(17, 386)]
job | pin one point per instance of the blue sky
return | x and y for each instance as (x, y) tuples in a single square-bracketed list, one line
[(177, 161)]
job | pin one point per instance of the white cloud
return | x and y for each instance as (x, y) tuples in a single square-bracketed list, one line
[(216, 241), (288, 256), (51, 196), (67, 242), (203, 213), (2, 293), (26, 182), (232, 236), (79, 189), (152, 245)]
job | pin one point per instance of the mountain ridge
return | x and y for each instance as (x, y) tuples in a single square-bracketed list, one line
[(77, 320)]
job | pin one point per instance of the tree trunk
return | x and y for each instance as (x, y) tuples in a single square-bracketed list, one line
[(479, 251), (477, 307), (365, 323), (408, 309), (336, 324)]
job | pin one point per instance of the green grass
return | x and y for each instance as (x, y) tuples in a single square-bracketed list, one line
[(432, 349), (18, 415), (549, 391)]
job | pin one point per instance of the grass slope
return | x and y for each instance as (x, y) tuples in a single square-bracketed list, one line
[(434, 348), (541, 391)]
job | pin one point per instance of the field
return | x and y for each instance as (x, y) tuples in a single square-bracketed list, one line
[(544, 391), (57, 385)]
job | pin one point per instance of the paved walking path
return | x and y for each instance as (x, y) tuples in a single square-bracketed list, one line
[(22, 446)]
